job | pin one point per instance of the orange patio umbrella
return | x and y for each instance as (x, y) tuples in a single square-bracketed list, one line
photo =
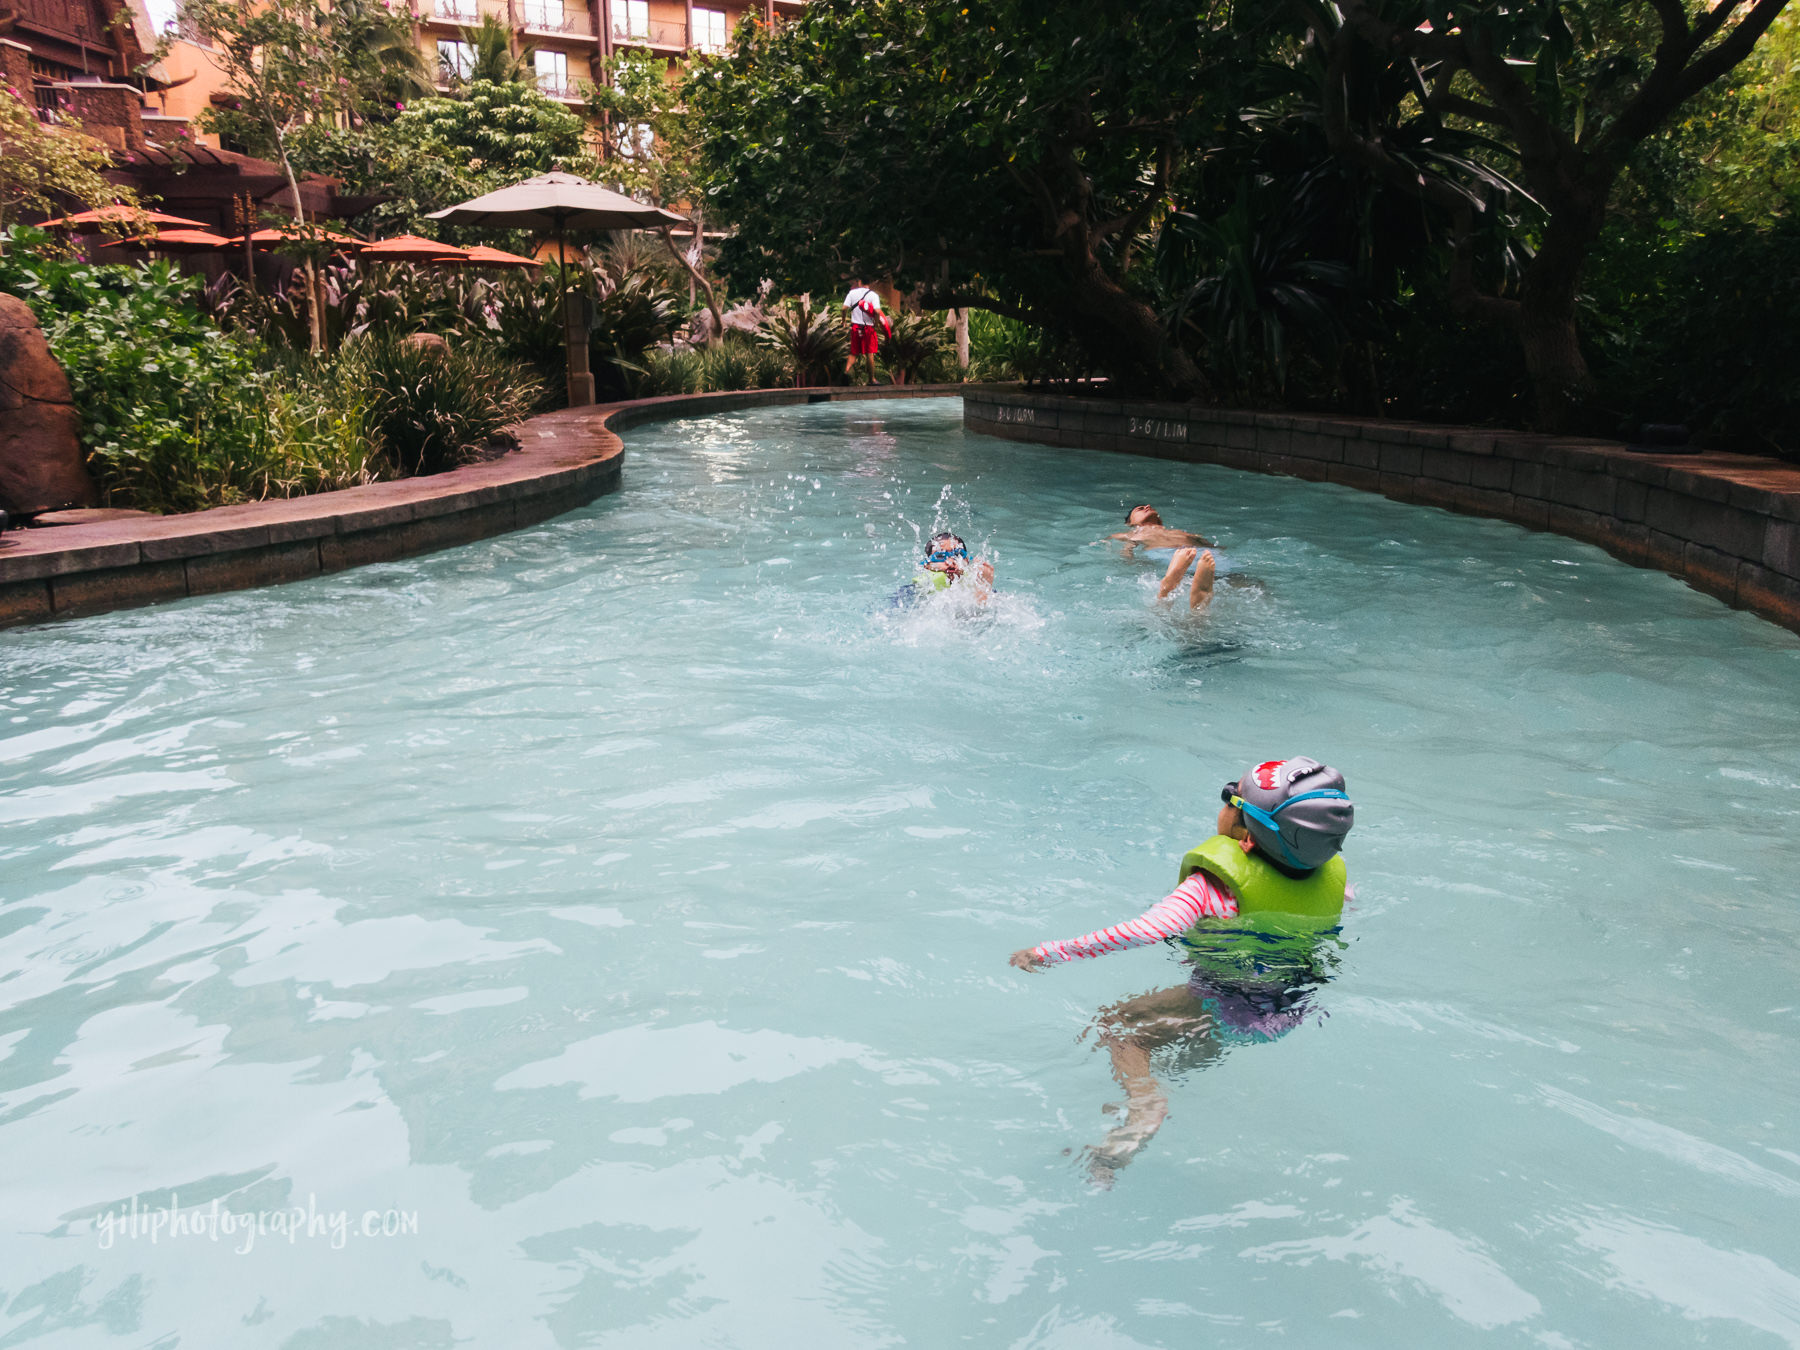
[(180, 241), (413, 248), (483, 256), (119, 215), (293, 234)]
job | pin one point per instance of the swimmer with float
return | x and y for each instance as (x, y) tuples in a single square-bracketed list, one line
[(1147, 531), (1256, 909), (947, 564)]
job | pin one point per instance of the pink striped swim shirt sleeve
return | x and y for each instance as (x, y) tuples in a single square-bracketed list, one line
[(1199, 897)]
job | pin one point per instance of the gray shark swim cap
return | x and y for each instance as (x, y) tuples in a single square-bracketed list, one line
[(1296, 810)]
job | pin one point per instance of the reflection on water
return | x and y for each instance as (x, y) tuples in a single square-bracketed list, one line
[(627, 902)]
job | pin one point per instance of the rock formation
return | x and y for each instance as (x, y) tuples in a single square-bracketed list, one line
[(41, 464)]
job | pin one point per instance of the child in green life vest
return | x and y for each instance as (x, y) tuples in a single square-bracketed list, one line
[(946, 563), (1256, 907)]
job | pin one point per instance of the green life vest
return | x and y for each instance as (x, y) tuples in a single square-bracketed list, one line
[(928, 580), (1285, 927), (1261, 888)]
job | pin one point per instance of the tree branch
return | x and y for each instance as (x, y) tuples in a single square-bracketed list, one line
[(1132, 221), (1734, 48), (934, 300), (1446, 102), (1676, 75), (1712, 21)]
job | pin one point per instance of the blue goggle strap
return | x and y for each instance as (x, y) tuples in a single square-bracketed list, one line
[(1267, 818)]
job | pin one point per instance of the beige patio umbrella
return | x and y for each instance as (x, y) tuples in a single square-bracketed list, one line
[(562, 202)]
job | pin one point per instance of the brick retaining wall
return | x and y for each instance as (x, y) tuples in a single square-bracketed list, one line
[(1726, 524)]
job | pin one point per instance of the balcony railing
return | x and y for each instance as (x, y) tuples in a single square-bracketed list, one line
[(456, 11), (548, 17), (552, 87), (48, 102), (653, 33)]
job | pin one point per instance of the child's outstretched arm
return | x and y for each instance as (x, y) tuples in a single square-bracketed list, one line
[(1199, 897)]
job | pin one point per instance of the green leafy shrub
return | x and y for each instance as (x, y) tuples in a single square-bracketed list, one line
[(169, 404), (632, 312), (385, 299), (915, 349), (1720, 355), (668, 372), (1001, 348), (737, 363), (315, 434), (813, 344), (428, 410)]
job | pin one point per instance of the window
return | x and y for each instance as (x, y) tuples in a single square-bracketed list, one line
[(711, 31), (545, 14), (552, 71), (456, 60), (631, 20)]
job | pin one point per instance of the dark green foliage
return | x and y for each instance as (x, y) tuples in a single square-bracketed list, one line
[(915, 349), (1263, 295), (167, 400), (384, 299), (813, 343), (179, 415), (1704, 332), (632, 312), (439, 151), (737, 363), (1258, 202), (427, 409)]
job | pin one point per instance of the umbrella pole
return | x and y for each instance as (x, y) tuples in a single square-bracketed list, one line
[(575, 336)]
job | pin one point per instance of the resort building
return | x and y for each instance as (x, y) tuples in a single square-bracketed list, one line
[(569, 41), (571, 38), (78, 58)]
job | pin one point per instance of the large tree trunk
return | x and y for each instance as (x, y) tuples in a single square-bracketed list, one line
[(1562, 386), (1130, 336)]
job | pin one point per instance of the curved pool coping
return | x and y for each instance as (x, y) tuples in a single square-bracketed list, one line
[(566, 459), (1726, 524)]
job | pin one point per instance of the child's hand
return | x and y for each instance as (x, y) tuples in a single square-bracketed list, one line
[(1026, 959)]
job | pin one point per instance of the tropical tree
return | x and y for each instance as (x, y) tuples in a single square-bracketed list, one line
[(1565, 89), (440, 151), (285, 65), (43, 167), (1007, 154), (653, 154), (493, 58)]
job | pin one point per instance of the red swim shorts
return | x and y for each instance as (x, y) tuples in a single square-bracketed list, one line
[(864, 340)]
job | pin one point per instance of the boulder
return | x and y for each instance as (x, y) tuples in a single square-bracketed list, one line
[(427, 342), (41, 464)]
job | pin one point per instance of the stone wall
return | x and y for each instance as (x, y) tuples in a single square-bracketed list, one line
[(1728, 525), (110, 113), (15, 68)]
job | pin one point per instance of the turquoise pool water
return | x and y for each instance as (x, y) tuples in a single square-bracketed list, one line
[(618, 912)]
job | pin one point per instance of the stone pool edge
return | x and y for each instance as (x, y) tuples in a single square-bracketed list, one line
[(1728, 525), (566, 460)]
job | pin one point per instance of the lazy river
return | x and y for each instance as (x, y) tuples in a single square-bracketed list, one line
[(597, 935)]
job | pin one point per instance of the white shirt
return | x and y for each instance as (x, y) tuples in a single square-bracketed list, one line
[(853, 302)]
